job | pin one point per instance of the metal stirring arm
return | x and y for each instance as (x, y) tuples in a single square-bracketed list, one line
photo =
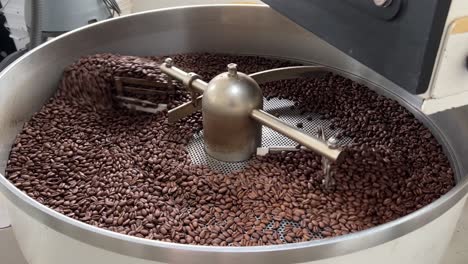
[(263, 151), (195, 85), (286, 73), (312, 143), (329, 180)]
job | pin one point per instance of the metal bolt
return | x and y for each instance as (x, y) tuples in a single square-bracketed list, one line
[(332, 142), (168, 62), (232, 69), (321, 133), (382, 3)]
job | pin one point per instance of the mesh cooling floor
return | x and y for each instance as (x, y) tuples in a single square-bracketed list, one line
[(287, 113)]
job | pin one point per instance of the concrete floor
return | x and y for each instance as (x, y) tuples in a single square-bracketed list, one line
[(9, 251), (456, 254)]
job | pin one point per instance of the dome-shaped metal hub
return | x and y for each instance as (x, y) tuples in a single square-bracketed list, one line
[(230, 134)]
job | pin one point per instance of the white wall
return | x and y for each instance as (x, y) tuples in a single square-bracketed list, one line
[(449, 85)]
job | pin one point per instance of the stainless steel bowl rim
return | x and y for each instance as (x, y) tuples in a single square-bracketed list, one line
[(296, 252)]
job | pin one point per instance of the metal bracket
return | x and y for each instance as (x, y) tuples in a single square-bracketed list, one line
[(188, 83), (136, 86)]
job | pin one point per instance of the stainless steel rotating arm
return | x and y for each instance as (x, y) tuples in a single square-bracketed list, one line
[(186, 78), (195, 85), (183, 110), (310, 142)]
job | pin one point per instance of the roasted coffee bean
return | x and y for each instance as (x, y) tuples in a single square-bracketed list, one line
[(129, 172)]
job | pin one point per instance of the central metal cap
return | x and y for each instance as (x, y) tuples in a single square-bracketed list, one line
[(229, 133)]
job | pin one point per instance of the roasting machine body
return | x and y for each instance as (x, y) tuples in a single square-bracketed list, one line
[(46, 236)]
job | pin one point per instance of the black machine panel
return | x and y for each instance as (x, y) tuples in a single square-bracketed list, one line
[(398, 39)]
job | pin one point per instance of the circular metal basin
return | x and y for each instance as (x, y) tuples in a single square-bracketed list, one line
[(240, 29)]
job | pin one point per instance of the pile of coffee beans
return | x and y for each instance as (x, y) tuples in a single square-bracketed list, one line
[(129, 172)]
